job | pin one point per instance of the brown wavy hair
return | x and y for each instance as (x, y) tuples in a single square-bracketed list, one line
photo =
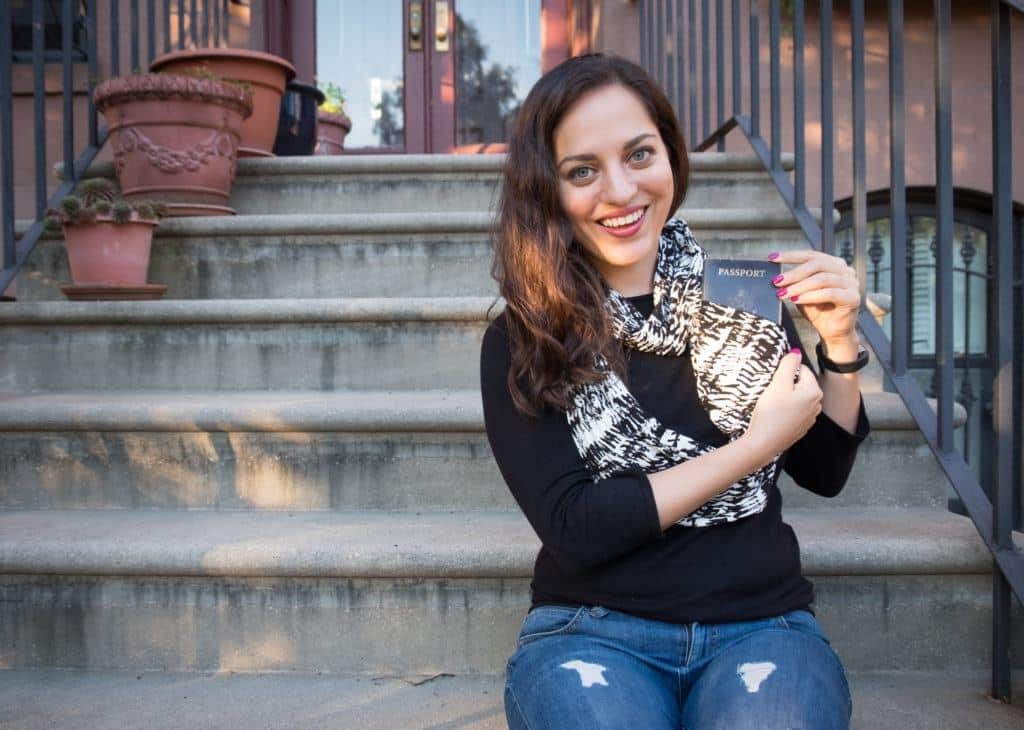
[(554, 296)]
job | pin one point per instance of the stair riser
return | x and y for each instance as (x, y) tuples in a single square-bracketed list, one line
[(319, 194), (285, 356), (399, 626), (343, 265), (428, 471)]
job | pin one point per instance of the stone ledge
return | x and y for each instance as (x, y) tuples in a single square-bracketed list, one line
[(402, 545)]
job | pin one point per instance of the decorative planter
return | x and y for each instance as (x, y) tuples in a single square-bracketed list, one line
[(266, 73), (297, 127), (110, 260), (331, 134), (175, 139)]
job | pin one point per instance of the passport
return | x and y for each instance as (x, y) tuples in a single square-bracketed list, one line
[(744, 284)]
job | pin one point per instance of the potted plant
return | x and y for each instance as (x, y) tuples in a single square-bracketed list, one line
[(108, 242), (265, 73), (297, 128), (334, 123), (175, 138)]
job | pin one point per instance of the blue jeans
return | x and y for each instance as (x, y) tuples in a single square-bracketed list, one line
[(589, 667)]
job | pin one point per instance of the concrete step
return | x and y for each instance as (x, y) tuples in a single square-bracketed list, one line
[(396, 594), (361, 255), (179, 345), (418, 451), (59, 700), (431, 183)]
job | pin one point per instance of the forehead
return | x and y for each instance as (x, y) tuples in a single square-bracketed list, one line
[(602, 119)]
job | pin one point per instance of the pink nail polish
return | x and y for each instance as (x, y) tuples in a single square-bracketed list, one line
[(780, 293), (773, 255), (778, 278), (794, 298), (796, 351)]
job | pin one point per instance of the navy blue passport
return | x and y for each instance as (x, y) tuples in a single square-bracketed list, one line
[(744, 284)]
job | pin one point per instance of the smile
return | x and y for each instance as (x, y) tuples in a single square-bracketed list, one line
[(625, 225)]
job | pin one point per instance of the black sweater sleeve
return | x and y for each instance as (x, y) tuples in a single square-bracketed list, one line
[(822, 459), (582, 523)]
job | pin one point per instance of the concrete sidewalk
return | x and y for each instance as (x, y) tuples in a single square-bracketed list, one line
[(52, 699)]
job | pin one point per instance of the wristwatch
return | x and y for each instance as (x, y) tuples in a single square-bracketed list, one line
[(842, 367)]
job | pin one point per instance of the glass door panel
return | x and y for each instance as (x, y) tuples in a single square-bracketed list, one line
[(359, 48), (498, 59)]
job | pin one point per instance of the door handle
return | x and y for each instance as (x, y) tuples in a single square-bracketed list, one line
[(441, 21), (416, 26)]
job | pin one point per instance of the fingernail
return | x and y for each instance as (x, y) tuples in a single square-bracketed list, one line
[(778, 278), (796, 351), (781, 293), (794, 298), (773, 255)]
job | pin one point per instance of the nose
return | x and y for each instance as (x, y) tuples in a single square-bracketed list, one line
[(620, 187)]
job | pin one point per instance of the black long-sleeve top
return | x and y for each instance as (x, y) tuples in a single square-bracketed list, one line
[(602, 542)]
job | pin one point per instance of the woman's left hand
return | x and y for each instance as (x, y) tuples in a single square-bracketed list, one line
[(825, 290)]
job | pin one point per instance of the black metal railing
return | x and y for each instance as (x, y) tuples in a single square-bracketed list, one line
[(675, 34), (33, 24)]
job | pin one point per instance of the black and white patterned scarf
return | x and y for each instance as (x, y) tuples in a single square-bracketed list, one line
[(734, 355)]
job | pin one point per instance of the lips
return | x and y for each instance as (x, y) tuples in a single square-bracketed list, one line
[(626, 223)]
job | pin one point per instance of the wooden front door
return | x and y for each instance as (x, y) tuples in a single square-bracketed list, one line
[(433, 75)]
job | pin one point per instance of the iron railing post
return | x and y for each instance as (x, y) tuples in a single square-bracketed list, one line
[(898, 194)]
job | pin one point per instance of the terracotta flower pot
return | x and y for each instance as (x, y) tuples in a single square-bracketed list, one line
[(266, 73), (105, 252), (175, 139), (331, 133)]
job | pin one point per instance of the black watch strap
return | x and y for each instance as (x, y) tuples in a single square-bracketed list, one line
[(845, 367)]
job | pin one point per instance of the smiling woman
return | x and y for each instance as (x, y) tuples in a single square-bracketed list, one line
[(642, 431)]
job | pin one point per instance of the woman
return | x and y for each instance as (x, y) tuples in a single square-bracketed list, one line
[(640, 431)]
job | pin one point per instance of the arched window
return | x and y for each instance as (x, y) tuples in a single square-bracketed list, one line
[(973, 300)]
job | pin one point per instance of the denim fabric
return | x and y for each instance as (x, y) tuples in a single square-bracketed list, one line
[(589, 667)]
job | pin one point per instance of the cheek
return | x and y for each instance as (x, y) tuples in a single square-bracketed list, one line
[(577, 203)]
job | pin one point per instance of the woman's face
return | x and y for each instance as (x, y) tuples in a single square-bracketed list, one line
[(615, 183)]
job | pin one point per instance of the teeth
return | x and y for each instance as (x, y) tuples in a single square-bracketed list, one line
[(623, 220)]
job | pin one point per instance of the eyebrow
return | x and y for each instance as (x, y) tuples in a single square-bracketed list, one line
[(631, 143)]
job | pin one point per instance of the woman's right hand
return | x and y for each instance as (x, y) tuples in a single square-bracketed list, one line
[(786, 410)]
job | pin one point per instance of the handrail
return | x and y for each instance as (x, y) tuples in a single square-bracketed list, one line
[(15, 252), (993, 517)]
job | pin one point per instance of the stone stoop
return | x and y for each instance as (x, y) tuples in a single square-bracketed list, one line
[(282, 468)]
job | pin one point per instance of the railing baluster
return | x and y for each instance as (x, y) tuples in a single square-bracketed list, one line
[(755, 72), (692, 28), (216, 24), (206, 23), (68, 91), (166, 17), (734, 23), (774, 24), (670, 52), (94, 71), (227, 22), (39, 102), (134, 8), (898, 193), (720, 70), (860, 211), (944, 221), (193, 19), (799, 194), (705, 65), (7, 149), (645, 34), (150, 30), (658, 33), (181, 25), (1002, 186), (115, 38), (828, 231), (680, 63)]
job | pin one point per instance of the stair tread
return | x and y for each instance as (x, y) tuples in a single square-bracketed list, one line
[(374, 544), (306, 410), (107, 700)]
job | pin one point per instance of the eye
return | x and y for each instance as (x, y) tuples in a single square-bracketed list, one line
[(641, 155), (581, 174)]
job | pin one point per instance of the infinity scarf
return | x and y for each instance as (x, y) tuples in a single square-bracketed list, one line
[(734, 356)]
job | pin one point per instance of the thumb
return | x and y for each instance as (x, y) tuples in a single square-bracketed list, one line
[(788, 371)]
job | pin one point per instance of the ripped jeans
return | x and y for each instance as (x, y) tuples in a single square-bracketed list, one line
[(589, 667)]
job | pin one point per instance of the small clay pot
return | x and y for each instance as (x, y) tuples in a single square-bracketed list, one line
[(109, 253), (333, 128)]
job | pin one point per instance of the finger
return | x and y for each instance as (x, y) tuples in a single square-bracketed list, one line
[(820, 280), (829, 295), (812, 264), (789, 368), (793, 256)]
